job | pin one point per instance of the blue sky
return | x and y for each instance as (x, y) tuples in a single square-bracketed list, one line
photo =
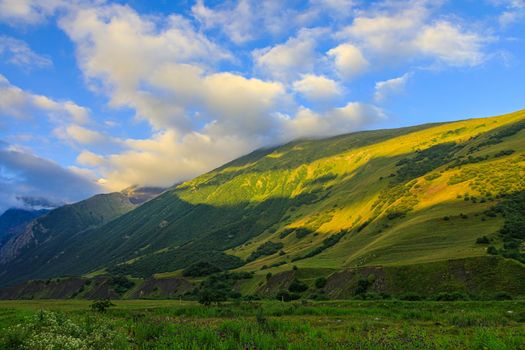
[(98, 95)]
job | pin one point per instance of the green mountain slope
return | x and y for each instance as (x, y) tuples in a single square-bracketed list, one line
[(44, 240), (14, 220), (386, 197)]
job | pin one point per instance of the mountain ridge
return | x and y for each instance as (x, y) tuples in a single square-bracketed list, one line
[(380, 197)]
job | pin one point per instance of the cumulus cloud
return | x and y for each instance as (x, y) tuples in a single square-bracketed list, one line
[(317, 88), (348, 60), (17, 52), (290, 59), (307, 123), (15, 102), (24, 175), (411, 33), (384, 89), (124, 53), (169, 70)]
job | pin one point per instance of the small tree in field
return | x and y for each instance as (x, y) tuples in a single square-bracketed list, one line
[(209, 296), (101, 305)]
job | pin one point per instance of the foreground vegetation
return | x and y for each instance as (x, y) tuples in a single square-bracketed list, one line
[(163, 324)]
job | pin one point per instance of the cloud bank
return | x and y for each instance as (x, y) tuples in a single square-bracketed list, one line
[(210, 85)]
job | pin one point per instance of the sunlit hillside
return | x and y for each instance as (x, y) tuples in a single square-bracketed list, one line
[(385, 197)]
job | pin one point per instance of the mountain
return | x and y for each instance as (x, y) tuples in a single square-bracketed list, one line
[(41, 241), (13, 220), (391, 198)]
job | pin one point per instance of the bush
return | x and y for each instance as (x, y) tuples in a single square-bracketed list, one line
[(297, 286), (320, 282), (483, 240), (362, 286), (395, 214), (502, 296), (101, 305), (267, 248), (411, 297), (208, 296), (453, 296), (199, 269), (492, 250), (286, 296), (121, 284)]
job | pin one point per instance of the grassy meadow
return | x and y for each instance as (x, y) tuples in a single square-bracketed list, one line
[(173, 324)]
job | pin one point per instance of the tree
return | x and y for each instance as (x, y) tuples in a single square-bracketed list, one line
[(209, 296), (101, 305), (297, 286)]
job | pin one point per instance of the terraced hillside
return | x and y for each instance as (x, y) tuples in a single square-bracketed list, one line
[(387, 197)]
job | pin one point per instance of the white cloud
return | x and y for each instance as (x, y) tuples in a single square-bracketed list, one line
[(28, 11), (288, 60), (18, 103), (89, 159), (450, 44), (124, 53), (410, 33), (384, 89), (514, 11), (241, 21), (307, 123), (17, 52), (172, 158), (317, 88), (236, 22), (348, 60)]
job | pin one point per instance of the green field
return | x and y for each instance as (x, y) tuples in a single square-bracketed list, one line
[(164, 324)]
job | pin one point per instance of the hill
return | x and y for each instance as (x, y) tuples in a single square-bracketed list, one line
[(397, 197), (37, 243), (13, 220)]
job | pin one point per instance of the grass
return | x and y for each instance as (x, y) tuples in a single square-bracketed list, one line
[(163, 324)]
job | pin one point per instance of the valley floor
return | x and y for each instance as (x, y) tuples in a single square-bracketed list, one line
[(173, 324)]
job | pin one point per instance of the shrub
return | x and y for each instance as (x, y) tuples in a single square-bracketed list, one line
[(453, 296), (320, 282), (208, 296), (267, 248), (395, 214), (362, 286), (101, 305), (121, 284), (297, 286), (492, 250), (483, 240), (284, 295), (411, 297), (502, 296), (199, 269)]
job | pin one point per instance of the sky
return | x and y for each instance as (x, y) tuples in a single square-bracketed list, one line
[(99, 95)]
